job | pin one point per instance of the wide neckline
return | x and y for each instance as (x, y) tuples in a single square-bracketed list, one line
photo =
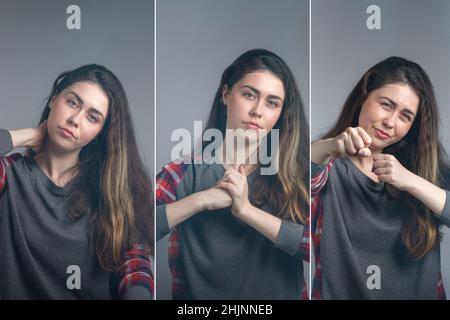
[(42, 176), (363, 177)]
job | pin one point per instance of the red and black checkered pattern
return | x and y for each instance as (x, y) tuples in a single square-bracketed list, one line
[(136, 271), (4, 163), (166, 183)]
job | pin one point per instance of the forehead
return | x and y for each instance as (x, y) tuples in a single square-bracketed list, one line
[(91, 94), (401, 93), (264, 81)]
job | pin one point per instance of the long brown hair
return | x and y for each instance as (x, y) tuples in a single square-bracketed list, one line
[(286, 191), (420, 151), (112, 185)]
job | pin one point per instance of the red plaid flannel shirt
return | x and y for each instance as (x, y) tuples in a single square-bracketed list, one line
[(136, 271), (317, 183), (166, 183)]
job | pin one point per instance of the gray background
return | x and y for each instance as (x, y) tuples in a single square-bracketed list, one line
[(342, 49), (195, 41), (36, 46)]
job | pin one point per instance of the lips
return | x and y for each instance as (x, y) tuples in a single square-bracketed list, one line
[(68, 132), (252, 125), (382, 134)]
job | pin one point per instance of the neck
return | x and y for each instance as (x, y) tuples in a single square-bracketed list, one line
[(365, 164), (57, 165), (235, 154)]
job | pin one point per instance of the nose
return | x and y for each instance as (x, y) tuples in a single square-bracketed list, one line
[(74, 119), (256, 110), (388, 121)]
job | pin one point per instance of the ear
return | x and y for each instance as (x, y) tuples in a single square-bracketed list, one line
[(225, 94), (50, 104)]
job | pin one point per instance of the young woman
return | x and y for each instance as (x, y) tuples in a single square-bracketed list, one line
[(235, 232), (380, 190), (76, 212)]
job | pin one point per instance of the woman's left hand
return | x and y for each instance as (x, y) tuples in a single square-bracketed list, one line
[(389, 170), (235, 182)]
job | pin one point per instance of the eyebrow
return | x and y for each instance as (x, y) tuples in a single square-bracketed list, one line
[(271, 96), (82, 102), (407, 110)]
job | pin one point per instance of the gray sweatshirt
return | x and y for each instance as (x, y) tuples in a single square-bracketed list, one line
[(223, 257), (43, 253), (361, 253)]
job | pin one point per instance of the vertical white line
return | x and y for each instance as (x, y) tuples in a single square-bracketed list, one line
[(310, 132), (154, 147)]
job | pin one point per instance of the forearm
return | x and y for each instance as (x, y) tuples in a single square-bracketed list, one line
[(262, 221), (322, 151), (183, 209), (429, 194), (286, 235), (23, 137)]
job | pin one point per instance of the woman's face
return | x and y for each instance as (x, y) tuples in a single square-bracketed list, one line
[(254, 102), (77, 116), (388, 113)]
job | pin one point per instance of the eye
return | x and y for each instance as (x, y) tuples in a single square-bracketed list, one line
[(72, 103), (93, 117), (386, 105), (405, 117), (249, 95), (272, 103)]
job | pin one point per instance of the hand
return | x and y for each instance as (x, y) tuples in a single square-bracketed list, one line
[(389, 170), (352, 142), (215, 198), (39, 137), (30, 137), (235, 183)]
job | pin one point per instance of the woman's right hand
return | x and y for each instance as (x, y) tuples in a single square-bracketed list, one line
[(351, 142)]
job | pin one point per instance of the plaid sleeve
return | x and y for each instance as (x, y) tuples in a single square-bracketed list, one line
[(136, 271), (440, 289), (319, 180), (166, 183), (303, 255), (316, 232), (304, 246), (4, 163)]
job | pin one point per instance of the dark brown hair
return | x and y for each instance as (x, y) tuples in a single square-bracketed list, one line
[(112, 185), (420, 151), (286, 191)]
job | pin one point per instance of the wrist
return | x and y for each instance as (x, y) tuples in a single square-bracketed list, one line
[(331, 147), (410, 183), (201, 201), (243, 211)]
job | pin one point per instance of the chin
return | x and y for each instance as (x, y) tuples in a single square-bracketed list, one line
[(61, 145)]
